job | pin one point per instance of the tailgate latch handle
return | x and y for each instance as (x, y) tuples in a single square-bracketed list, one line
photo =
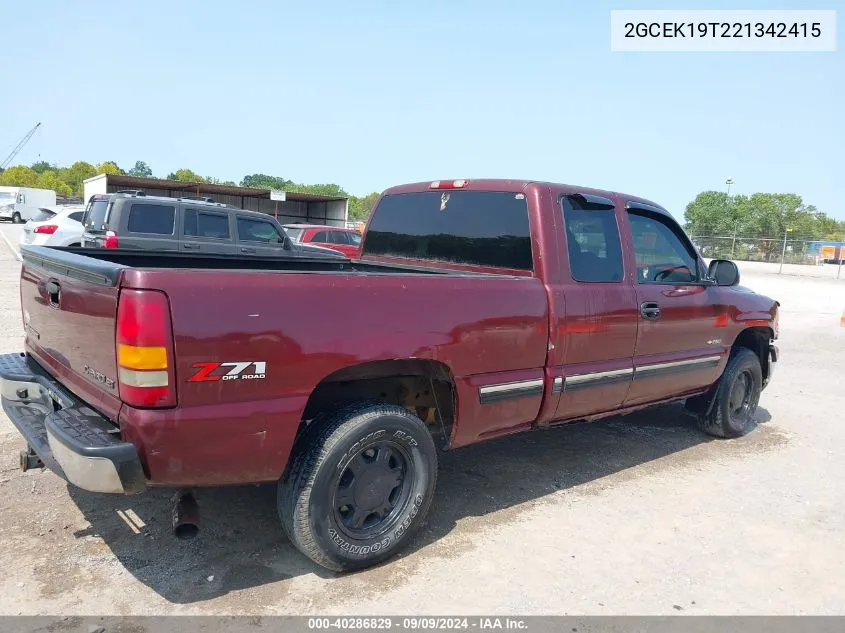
[(54, 291)]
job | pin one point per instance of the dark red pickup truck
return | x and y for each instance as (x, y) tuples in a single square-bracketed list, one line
[(478, 309)]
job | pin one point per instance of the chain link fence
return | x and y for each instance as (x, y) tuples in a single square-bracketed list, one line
[(770, 249)]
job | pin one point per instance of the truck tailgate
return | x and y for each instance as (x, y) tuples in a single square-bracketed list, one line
[(69, 313)]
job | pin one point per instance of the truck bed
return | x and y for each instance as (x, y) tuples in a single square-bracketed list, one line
[(110, 262), (303, 321)]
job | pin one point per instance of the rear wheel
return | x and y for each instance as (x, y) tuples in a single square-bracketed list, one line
[(359, 485), (16, 218), (736, 398)]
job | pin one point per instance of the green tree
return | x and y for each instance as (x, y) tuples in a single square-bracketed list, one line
[(50, 180), (185, 175), (329, 189), (19, 176), (141, 170), (263, 181), (110, 167), (360, 208), (76, 173), (41, 166)]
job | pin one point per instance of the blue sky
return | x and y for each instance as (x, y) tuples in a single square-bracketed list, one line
[(372, 94)]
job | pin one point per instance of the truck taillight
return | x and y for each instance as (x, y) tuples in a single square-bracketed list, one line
[(145, 349), (110, 240), (449, 184), (46, 229)]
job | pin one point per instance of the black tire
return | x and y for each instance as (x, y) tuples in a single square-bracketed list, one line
[(737, 396), (381, 443), (16, 218)]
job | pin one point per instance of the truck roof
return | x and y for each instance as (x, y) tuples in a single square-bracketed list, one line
[(517, 186)]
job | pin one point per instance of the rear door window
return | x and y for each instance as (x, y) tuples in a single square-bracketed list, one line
[(339, 237), (156, 219), (485, 228), (206, 224), (592, 241)]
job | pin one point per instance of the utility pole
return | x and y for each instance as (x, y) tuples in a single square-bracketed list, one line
[(729, 182), (783, 252)]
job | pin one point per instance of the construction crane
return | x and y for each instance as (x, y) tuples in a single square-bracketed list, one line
[(18, 147)]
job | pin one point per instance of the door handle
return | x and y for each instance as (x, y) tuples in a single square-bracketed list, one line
[(249, 251), (191, 246), (650, 310), (54, 290)]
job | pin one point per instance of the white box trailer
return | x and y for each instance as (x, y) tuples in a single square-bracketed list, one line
[(19, 204)]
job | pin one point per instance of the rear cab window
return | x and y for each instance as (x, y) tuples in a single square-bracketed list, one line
[(155, 219), (481, 228)]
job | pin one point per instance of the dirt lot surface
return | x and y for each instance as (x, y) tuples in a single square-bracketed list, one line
[(637, 515)]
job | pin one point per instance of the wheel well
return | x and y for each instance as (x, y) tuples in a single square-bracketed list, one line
[(757, 340), (424, 387)]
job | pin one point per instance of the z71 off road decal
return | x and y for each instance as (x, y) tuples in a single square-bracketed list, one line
[(210, 372)]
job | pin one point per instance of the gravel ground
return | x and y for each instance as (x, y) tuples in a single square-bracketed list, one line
[(636, 515)]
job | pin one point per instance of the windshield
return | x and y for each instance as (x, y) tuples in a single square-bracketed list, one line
[(355, 238), (293, 234), (6, 196), (95, 215)]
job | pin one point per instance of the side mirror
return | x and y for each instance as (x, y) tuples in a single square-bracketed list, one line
[(724, 272)]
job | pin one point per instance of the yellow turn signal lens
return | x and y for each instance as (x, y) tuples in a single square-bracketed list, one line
[(132, 357)]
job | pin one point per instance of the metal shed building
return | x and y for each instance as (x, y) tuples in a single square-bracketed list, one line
[(297, 208)]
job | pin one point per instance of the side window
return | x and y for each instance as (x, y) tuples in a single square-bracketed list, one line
[(592, 239), (204, 224), (339, 237), (21, 199), (76, 215), (322, 236), (250, 230), (151, 218), (662, 256)]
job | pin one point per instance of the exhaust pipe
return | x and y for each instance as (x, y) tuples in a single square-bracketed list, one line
[(186, 516)]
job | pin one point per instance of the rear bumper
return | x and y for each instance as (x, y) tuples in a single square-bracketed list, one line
[(72, 440), (772, 357)]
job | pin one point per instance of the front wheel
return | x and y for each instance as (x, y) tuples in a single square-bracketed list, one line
[(16, 218), (736, 398), (359, 485)]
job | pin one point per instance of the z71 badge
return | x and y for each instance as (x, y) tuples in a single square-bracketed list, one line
[(209, 372)]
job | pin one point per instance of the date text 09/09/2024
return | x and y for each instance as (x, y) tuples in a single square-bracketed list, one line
[(421, 623), (722, 29)]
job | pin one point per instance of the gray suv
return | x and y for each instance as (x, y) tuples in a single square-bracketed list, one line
[(133, 220)]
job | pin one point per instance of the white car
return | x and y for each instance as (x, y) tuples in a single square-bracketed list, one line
[(54, 226)]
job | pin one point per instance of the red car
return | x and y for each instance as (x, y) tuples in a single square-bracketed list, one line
[(346, 241)]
